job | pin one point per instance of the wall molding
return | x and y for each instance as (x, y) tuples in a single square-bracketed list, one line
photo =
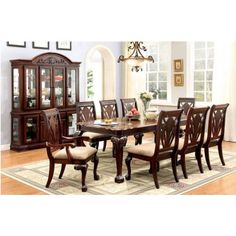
[(5, 147)]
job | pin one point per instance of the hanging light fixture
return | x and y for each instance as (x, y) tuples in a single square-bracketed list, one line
[(136, 58)]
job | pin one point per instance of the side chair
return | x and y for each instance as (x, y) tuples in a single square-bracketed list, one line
[(216, 130), (185, 103), (127, 104), (67, 153), (164, 147), (194, 137), (109, 109), (86, 112)]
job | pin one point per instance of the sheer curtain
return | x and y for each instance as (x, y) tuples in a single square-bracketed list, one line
[(224, 84)]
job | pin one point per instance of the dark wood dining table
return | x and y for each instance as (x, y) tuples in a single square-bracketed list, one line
[(119, 131)]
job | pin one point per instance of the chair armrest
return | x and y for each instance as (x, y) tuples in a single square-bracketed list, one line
[(60, 146), (77, 139)]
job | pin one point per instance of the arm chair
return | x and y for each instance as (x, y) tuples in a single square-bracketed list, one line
[(194, 136), (164, 147), (215, 134), (66, 153), (185, 104), (127, 104), (109, 109), (86, 112)]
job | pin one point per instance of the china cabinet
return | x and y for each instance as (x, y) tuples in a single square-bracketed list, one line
[(48, 80)]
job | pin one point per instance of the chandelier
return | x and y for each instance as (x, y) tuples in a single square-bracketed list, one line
[(136, 58)]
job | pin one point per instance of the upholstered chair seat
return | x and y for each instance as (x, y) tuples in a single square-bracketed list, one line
[(181, 142), (146, 149), (77, 153), (92, 135)]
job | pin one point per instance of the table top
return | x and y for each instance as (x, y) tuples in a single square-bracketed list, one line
[(121, 127)]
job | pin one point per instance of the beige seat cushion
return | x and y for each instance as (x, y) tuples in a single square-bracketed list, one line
[(78, 153), (92, 135), (146, 149), (181, 143), (205, 137)]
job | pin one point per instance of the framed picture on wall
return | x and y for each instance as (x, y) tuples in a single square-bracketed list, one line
[(179, 79), (40, 44), (178, 65), (21, 44), (63, 45)]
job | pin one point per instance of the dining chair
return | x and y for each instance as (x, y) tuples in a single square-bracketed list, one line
[(109, 109), (127, 104), (164, 147), (86, 112), (194, 137), (216, 129), (185, 104), (67, 153)]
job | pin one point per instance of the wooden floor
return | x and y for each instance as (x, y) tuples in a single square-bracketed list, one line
[(9, 186)]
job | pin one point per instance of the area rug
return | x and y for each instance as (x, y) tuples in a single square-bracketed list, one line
[(141, 183)]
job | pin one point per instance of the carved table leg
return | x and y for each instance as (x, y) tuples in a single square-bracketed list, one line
[(118, 145), (138, 138)]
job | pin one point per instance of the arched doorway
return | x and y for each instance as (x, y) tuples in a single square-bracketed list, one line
[(100, 75)]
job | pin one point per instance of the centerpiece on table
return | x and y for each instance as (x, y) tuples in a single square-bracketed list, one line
[(146, 97)]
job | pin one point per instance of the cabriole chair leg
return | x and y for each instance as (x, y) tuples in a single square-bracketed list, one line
[(50, 175), (63, 166), (95, 175)]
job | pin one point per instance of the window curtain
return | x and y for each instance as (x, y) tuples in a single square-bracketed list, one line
[(224, 84)]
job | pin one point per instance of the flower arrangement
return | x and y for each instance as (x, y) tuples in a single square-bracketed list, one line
[(146, 96)]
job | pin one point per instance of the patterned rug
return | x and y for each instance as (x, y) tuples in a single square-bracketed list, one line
[(35, 175)]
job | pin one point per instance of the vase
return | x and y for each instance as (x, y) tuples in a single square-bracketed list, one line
[(145, 106)]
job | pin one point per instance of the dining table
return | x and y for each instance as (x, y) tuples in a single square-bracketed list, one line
[(119, 130)]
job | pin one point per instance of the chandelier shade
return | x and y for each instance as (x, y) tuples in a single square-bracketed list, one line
[(136, 58)]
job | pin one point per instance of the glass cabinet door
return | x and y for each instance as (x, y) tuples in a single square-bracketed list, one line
[(31, 129), (31, 88), (59, 86), (15, 130), (71, 82), (45, 87), (72, 123), (16, 88)]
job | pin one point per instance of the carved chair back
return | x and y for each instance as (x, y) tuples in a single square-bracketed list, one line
[(85, 111), (186, 103), (216, 125), (195, 126), (53, 125), (127, 104), (167, 133), (109, 109)]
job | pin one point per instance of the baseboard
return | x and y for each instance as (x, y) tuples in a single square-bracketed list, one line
[(5, 147)]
